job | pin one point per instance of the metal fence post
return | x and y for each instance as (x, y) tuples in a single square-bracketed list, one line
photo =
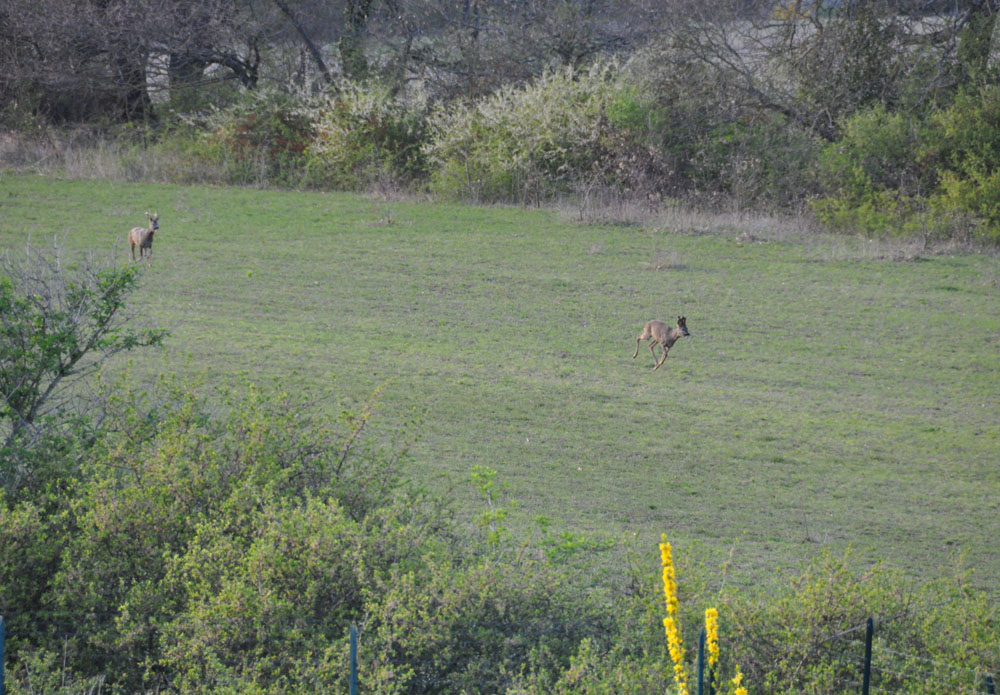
[(869, 630), (701, 659), (354, 660)]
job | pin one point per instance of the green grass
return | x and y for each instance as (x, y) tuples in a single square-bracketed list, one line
[(827, 397)]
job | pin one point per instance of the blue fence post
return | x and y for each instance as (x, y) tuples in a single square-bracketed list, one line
[(354, 660), (869, 631), (991, 688)]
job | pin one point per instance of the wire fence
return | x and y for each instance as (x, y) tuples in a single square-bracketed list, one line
[(879, 667), (884, 669)]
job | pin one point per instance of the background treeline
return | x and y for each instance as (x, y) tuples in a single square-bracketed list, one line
[(156, 540), (873, 116)]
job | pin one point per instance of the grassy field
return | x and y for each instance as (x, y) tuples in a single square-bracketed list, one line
[(831, 394)]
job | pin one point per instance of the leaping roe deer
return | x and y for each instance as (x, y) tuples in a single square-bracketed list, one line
[(143, 237), (662, 334)]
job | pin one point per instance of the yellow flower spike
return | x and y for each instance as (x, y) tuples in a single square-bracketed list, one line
[(671, 624), (737, 683), (672, 628), (712, 636)]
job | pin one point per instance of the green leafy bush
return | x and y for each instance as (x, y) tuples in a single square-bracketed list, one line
[(810, 638), (932, 176), (719, 149), (364, 136), (262, 139), (59, 322), (876, 176), (878, 150), (231, 553), (967, 149)]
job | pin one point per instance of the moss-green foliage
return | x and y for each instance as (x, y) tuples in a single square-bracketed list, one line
[(228, 553), (928, 639), (58, 323), (366, 136), (876, 173), (807, 637), (762, 162), (968, 149), (935, 174)]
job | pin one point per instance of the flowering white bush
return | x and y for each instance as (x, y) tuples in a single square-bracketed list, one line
[(365, 133), (528, 142)]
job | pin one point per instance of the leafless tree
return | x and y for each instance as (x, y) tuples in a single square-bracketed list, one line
[(473, 46), (815, 62), (80, 60)]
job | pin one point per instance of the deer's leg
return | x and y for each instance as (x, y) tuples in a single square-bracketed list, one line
[(662, 359), (132, 246)]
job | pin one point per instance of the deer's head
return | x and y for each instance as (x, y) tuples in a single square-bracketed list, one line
[(682, 324), (154, 220)]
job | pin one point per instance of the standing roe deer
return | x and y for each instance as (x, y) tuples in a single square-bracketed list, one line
[(143, 237), (663, 335)]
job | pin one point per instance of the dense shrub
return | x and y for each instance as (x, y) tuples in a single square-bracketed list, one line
[(761, 162), (230, 553), (261, 139), (933, 175), (59, 322), (527, 144), (719, 151), (875, 176), (967, 150), (365, 136), (878, 150), (810, 638)]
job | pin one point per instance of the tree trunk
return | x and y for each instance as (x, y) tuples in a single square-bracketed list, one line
[(134, 101), (351, 44), (313, 50)]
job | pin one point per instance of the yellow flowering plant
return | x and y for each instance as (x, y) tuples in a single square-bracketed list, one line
[(737, 683), (712, 636), (671, 623), (672, 627), (712, 644)]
